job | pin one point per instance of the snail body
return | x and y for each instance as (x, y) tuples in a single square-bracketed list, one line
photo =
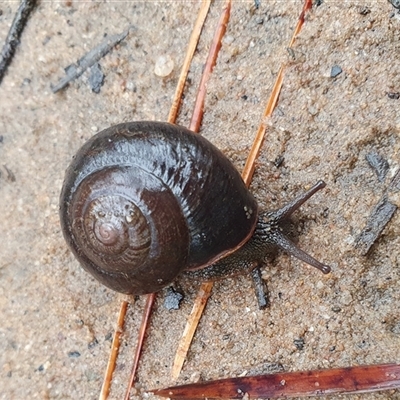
[(143, 202)]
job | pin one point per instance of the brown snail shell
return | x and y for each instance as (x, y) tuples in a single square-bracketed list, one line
[(143, 201)]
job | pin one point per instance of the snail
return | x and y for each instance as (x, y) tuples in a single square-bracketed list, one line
[(143, 202)]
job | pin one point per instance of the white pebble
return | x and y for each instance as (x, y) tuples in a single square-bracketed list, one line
[(164, 66)]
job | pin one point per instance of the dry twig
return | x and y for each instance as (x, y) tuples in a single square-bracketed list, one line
[(14, 34), (76, 70), (380, 216)]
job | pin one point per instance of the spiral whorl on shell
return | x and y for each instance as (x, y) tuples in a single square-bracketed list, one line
[(143, 201)]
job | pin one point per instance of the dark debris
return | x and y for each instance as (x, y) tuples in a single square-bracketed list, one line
[(74, 354), (96, 78), (260, 289), (10, 175), (172, 299), (108, 337), (299, 343), (393, 95), (93, 343), (378, 164), (279, 161), (364, 10)]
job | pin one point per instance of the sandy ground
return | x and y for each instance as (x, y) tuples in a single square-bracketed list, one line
[(56, 320)]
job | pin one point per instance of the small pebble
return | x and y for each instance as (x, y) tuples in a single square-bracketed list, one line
[(312, 111), (164, 66), (335, 71), (364, 10), (394, 95), (44, 366), (74, 354), (93, 343), (299, 343), (346, 297), (131, 86), (195, 377)]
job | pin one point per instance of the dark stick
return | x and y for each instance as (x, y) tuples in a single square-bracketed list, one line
[(12, 40), (94, 55), (377, 221), (380, 216), (260, 288)]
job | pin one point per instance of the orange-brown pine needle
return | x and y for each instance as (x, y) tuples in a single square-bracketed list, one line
[(206, 287), (249, 167), (248, 170), (191, 325), (210, 63), (307, 6), (193, 41), (105, 389), (142, 331)]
